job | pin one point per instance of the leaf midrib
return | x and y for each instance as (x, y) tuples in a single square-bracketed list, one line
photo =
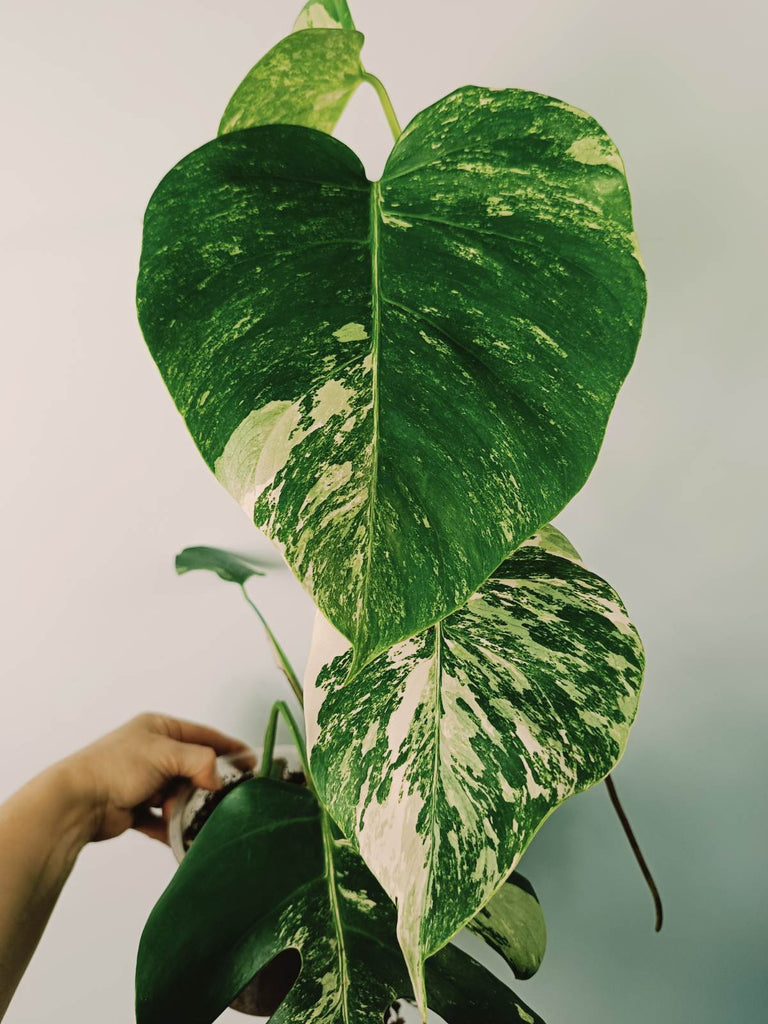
[(330, 876), (376, 298), (437, 701)]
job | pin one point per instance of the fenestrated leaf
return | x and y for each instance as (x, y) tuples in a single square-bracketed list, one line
[(306, 79), (269, 873), (512, 922), (399, 381), (229, 566), (442, 758), (324, 14)]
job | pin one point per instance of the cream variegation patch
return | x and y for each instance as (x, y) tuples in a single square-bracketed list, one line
[(315, 15), (596, 150), (257, 450), (262, 443)]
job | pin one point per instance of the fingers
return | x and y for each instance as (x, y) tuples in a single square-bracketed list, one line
[(151, 824), (191, 761), (192, 732), (195, 762), (153, 818)]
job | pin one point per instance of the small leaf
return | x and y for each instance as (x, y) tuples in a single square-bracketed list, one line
[(229, 566), (512, 922), (398, 380), (239, 569), (442, 758), (266, 874), (324, 14), (307, 79)]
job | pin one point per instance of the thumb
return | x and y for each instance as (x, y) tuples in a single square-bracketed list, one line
[(196, 763)]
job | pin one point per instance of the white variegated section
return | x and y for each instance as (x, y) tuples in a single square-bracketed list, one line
[(323, 14), (257, 450), (315, 16), (327, 645), (441, 759), (594, 150), (548, 538), (260, 447), (351, 332)]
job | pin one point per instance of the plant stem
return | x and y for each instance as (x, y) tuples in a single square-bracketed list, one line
[(278, 709), (333, 892), (636, 850), (280, 658), (386, 103)]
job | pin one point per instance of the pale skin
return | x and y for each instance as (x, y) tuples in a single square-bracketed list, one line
[(97, 793)]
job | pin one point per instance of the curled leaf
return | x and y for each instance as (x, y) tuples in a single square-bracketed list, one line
[(226, 564), (513, 924)]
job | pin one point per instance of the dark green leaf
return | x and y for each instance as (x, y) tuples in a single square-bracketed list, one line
[(398, 381), (229, 566), (266, 874)]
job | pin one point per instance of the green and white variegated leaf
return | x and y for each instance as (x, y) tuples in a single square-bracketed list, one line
[(399, 381), (307, 79), (226, 564), (324, 14), (442, 758), (513, 923), (268, 873)]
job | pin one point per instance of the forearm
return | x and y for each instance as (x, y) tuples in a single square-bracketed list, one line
[(92, 795), (42, 829)]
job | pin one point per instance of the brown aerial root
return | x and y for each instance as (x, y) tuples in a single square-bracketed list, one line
[(642, 864)]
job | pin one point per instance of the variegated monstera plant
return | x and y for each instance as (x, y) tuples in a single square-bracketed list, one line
[(402, 382)]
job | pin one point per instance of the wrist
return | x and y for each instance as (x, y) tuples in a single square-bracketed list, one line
[(69, 804)]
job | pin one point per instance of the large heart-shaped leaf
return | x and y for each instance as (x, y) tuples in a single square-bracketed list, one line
[(306, 79), (269, 873), (442, 758), (399, 381), (324, 14)]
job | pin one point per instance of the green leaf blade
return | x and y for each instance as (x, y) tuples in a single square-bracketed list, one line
[(513, 924), (443, 757), (399, 381), (307, 79), (231, 567)]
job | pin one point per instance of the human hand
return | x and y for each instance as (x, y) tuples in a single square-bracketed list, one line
[(118, 780), (97, 793)]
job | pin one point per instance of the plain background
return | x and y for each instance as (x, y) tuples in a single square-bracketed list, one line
[(102, 485)]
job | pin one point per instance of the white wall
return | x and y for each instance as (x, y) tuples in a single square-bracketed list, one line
[(102, 484)]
